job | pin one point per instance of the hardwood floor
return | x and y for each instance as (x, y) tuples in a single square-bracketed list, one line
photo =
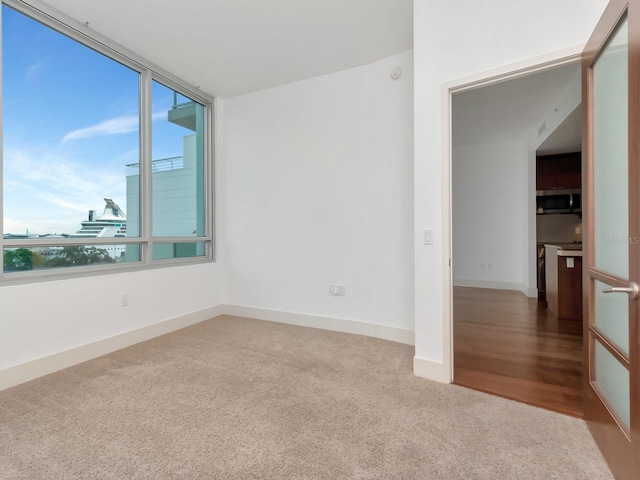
[(510, 345)]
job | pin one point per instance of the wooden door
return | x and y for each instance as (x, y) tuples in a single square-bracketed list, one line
[(611, 88)]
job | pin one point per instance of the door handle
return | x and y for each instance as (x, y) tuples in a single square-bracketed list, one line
[(632, 290)]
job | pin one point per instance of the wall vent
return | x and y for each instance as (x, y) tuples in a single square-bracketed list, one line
[(542, 128)]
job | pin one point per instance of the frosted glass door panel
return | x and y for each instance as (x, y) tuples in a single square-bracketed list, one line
[(610, 147), (612, 380), (612, 316)]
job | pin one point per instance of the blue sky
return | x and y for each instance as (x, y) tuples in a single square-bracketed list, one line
[(70, 126)]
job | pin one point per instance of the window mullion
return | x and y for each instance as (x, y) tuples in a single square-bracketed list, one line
[(146, 221), (210, 176), (1, 156)]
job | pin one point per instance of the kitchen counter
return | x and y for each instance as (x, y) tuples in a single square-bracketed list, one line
[(564, 280), (566, 249), (569, 253)]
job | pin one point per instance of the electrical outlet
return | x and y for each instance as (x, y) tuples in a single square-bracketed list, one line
[(336, 290), (124, 300)]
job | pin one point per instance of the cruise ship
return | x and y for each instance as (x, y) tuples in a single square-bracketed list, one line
[(112, 223)]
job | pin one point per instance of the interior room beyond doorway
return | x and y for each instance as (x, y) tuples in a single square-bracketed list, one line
[(509, 338)]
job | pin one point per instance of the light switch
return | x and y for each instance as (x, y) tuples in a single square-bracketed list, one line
[(569, 262), (428, 237)]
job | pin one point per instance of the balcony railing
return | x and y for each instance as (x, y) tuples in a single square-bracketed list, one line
[(163, 164)]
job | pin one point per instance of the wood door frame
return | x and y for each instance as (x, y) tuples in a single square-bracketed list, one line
[(600, 420), (483, 79)]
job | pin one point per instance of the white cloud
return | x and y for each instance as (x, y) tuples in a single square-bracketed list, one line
[(33, 71), (113, 126)]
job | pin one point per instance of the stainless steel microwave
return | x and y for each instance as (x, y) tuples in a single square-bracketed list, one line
[(558, 201)]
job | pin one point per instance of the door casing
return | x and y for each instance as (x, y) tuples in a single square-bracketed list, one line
[(509, 72)]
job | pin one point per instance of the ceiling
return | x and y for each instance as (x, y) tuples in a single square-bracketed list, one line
[(232, 47), (567, 137), (506, 111)]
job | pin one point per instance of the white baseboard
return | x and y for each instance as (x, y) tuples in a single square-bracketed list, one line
[(18, 374), (462, 282), (435, 371), (519, 287), (384, 332)]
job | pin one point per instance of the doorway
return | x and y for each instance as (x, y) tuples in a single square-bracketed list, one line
[(505, 341)]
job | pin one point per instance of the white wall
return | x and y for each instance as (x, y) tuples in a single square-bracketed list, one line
[(453, 40), (319, 190), (47, 318), (489, 201)]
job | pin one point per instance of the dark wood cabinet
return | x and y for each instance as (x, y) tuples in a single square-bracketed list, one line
[(559, 171), (564, 282), (570, 287)]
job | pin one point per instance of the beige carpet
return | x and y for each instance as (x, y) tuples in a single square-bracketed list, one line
[(233, 398)]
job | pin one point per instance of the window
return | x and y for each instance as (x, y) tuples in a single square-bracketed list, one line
[(106, 164)]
